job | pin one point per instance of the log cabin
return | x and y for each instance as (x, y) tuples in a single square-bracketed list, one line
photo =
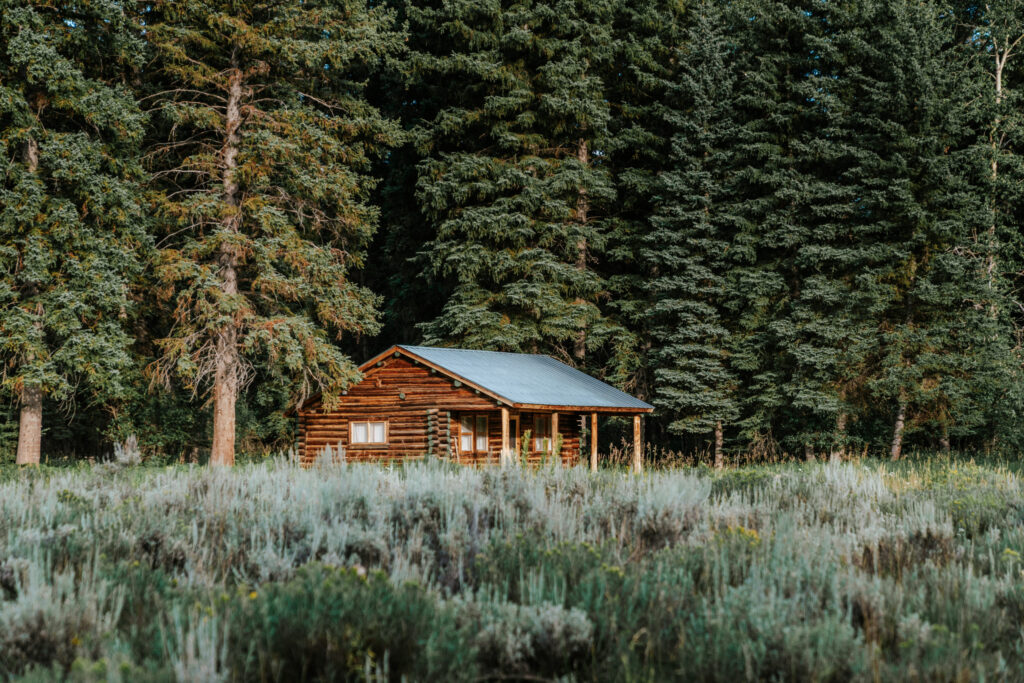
[(467, 406)]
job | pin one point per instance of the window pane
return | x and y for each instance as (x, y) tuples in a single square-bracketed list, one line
[(359, 432), (542, 432), (379, 430), (481, 433), (466, 423), (542, 425)]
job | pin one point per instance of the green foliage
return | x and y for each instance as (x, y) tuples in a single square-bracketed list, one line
[(687, 245), (262, 141), (852, 572), (72, 231), (507, 176), (315, 626), (797, 219)]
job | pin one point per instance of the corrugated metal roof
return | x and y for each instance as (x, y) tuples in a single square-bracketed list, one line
[(527, 378)]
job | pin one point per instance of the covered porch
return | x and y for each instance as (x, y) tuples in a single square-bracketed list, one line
[(535, 434)]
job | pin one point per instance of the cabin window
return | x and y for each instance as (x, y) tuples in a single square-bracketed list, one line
[(542, 433), (473, 434), (368, 433)]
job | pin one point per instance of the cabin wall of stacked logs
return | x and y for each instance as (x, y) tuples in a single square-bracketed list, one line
[(422, 409)]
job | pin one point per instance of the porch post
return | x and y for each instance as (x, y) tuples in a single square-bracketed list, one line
[(504, 437), (637, 446), (554, 435), (593, 442)]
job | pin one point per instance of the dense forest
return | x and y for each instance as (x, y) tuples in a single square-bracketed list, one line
[(792, 226)]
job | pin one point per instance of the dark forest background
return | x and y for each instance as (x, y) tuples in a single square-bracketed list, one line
[(794, 227)]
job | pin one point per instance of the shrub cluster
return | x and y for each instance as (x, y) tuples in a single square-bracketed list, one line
[(352, 572)]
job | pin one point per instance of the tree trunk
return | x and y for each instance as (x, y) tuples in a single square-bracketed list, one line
[(839, 449), (719, 457), (809, 452), (225, 396), (897, 430), (944, 439), (30, 427), (227, 364), (582, 207)]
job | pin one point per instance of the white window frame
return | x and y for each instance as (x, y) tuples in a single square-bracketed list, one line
[(475, 435), (369, 425)]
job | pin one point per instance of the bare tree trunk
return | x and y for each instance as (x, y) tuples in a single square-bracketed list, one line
[(30, 426), (897, 430), (30, 429), (227, 364), (582, 207), (225, 396), (719, 438), (839, 449), (809, 452)]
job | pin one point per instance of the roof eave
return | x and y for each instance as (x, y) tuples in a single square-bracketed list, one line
[(615, 410)]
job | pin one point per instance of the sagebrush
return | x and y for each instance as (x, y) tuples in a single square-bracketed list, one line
[(856, 571)]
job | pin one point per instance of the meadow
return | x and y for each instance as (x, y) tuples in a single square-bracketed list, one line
[(862, 570)]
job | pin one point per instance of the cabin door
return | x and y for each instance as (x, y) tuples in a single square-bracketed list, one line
[(513, 429)]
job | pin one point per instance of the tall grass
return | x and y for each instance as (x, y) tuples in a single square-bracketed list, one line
[(431, 572)]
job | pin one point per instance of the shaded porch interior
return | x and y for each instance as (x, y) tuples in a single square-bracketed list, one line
[(507, 436)]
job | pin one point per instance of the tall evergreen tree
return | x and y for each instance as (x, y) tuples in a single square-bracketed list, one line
[(765, 199), (639, 81), (686, 248), (70, 225), (996, 30), (827, 316), (263, 139), (511, 178), (916, 174)]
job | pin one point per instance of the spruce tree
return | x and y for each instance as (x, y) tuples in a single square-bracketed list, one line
[(826, 316), (916, 174), (996, 30), (511, 179), (647, 40), (262, 143), (71, 236), (765, 200), (685, 249), (1000, 34)]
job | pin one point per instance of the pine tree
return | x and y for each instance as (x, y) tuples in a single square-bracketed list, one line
[(914, 170), (827, 315), (685, 249), (996, 30), (71, 233), (639, 81), (263, 140), (511, 180), (763, 183)]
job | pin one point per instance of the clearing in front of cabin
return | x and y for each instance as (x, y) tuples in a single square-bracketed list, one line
[(856, 571)]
